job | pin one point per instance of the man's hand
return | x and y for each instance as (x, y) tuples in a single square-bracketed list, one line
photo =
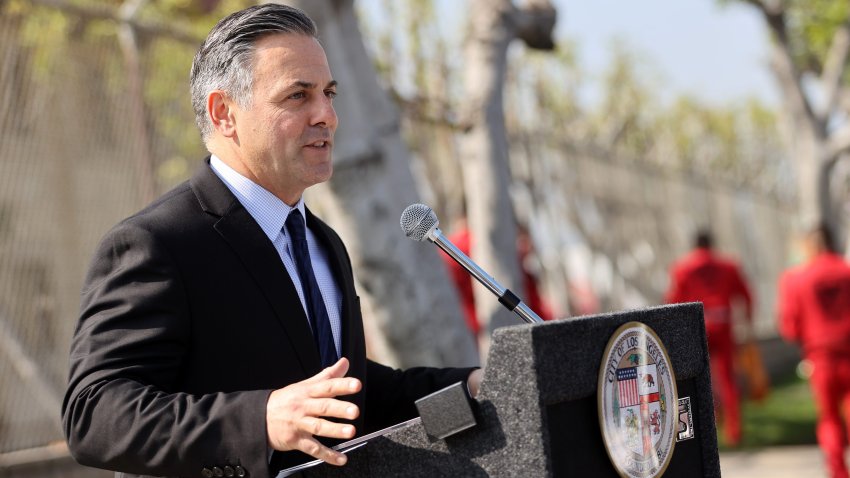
[(473, 382), (294, 414)]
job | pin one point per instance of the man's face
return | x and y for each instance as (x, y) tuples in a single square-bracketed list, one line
[(286, 135)]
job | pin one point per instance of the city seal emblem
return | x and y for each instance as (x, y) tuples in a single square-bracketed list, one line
[(638, 406)]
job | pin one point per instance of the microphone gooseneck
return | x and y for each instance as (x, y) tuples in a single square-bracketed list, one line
[(419, 222)]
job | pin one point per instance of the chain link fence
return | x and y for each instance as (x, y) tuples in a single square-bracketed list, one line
[(86, 138)]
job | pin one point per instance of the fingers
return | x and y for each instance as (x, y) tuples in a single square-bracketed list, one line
[(330, 382), (312, 447), (327, 407), (333, 387), (299, 434), (325, 428), (474, 381), (339, 369), (298, 413)]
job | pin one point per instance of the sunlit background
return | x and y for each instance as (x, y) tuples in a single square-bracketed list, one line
[(646, 121)]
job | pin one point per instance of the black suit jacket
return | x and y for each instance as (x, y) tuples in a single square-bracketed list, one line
[(188, 322)]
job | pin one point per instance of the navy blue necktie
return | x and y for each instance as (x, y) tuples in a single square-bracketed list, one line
[(316, 311)]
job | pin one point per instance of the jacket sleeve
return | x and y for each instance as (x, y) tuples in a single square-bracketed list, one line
[(122, 410), (391, 393)]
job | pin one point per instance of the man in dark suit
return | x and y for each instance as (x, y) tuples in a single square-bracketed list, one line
[(218, 335)]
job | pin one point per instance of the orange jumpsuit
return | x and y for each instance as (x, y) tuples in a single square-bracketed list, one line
[(702, 276), (814, 310)]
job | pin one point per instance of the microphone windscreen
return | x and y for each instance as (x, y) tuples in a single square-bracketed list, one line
[(417, 220)]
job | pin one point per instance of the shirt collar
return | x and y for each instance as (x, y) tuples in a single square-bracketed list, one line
[(266, 208)]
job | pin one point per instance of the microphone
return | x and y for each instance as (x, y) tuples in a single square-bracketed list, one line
[(420, 223)]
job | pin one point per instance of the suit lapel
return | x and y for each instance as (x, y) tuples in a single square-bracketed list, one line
[(261, 261)]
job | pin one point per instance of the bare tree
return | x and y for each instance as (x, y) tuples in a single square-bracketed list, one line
[(484, 147), (814, 109), (404, 284)]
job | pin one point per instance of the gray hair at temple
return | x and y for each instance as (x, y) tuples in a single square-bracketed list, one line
[(225, 59)]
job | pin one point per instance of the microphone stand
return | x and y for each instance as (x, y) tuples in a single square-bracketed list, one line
[(506, 297)]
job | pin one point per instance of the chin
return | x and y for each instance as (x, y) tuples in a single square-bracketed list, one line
[(321, 175)]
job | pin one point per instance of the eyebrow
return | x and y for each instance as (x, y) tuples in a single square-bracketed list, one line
[(308, 85)]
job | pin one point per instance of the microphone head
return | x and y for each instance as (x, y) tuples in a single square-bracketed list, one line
[(417, 221)]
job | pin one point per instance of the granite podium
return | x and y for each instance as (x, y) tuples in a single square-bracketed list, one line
[(537, 409)]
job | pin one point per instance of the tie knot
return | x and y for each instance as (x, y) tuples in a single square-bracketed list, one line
[(295, 225)]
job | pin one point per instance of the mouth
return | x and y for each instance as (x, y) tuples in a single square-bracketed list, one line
[(320, 144)]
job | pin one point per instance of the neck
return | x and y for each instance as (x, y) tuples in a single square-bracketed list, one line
[(232, 157)]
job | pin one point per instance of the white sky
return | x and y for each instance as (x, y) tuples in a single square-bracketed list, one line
[(713, 52)]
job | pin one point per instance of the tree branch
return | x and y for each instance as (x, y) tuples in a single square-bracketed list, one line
[(833, 69), (108, 13), (790, 79)]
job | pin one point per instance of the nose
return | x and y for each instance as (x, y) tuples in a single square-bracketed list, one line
[(325, 115)]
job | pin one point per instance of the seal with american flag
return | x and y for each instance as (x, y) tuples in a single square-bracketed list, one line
[(637, 402)]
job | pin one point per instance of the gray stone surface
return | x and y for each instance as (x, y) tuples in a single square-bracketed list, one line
[(533, 372)]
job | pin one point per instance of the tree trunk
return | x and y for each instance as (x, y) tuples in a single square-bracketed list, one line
[(812, 182), (403, 283), (484, 147), (815, 149)]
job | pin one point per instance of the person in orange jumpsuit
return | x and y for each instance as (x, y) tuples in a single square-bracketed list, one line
[(814, 311), (717, 282)]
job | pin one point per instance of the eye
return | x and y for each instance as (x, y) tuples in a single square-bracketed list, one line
[(297, 96), (330, 94)]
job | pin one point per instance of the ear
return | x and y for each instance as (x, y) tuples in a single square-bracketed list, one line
[(221, 111)]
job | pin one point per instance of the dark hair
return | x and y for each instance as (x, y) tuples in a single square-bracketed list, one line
[(225, 59), (704, 239), (822, 233)]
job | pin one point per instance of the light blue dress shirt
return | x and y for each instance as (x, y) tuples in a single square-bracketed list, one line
[(271, 213)]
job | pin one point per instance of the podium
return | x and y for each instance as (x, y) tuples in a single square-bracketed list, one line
[(537, 410)]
